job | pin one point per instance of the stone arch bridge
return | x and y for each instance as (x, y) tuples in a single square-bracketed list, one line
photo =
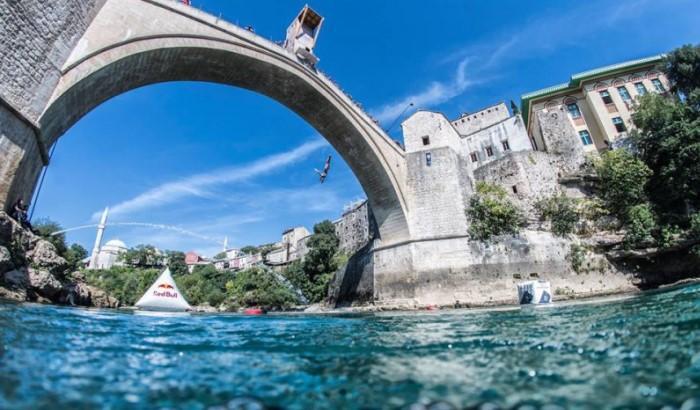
[(62, 59)]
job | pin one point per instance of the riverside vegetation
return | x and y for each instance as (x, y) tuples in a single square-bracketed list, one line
[(648, 192), (227, 289)]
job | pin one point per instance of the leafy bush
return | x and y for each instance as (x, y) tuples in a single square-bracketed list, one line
[(694, 230), (490, 213), (641, 224), (205, 284), (124, 283), (258, 287), (561, 211), (577, 255), (622, 181)]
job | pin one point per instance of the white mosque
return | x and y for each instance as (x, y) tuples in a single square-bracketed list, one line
[(108, 255), (104, 257)]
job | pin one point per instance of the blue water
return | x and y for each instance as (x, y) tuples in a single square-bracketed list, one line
[(639, 352)]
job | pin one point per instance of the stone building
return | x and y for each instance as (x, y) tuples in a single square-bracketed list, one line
[(599, 103), (356, 227)]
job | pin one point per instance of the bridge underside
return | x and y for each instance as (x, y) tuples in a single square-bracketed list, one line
[(134, 43)]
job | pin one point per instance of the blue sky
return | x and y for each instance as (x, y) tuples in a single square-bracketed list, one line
[(219, 161)]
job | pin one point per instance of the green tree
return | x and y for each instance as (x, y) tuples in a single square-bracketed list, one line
[(176, 263), (220, 255), (142, 256), (46, 228), (259, 287), (313, 274), (622, 181), (75, 255), (561, 211), (668, 138), (491, 213)]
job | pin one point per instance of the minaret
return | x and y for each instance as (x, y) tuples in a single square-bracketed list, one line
[(225, 243), (98, 239)]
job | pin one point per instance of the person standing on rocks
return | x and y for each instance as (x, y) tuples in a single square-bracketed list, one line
[(19, 212)]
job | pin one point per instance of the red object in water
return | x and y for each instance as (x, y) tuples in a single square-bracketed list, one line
[(253, 311), (431, 307), (187, 2)]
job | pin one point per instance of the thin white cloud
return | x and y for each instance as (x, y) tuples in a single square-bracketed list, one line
[(197, 185), (436, 93)]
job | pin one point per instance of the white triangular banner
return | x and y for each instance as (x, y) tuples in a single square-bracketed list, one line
[(163, 295)]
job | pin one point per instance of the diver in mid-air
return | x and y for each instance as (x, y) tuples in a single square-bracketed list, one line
[(323, 174)]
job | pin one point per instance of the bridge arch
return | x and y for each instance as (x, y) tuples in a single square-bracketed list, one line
[(123, 49)]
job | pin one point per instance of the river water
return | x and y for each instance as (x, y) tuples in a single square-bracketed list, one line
[(638, 352)]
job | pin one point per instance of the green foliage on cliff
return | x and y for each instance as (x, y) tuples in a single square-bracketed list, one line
[(560, 211), (668, 137), (258, 287), (313, 275), (622, 181), (641, 225), (491, 213)]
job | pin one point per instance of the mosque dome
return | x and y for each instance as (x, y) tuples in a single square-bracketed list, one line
[(115, 245)]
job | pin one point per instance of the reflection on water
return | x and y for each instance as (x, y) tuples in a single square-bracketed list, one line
[(639, 352)]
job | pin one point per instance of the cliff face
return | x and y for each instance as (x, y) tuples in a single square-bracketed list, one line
[(32, 270)]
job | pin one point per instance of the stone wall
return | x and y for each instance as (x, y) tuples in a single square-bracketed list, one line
[(561, 139), (457, 271), (38, 36), (20, 159), (525, 176), (438, 187)]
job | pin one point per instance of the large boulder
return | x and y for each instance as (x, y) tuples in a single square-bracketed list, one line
[(81, 294), (5, 260), (42, 255), (16, 279), (44, 283)]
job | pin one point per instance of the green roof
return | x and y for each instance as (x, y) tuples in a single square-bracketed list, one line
[(574, 83)]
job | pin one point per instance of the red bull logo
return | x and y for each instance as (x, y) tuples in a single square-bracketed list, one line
[(165, 293)]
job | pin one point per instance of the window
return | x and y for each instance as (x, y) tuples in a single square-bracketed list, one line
[(624, 94), (506, 146), (573, 110), (641, 89), (658, 85), (474, 156), (489, 151), (426, 140), (607, 99), (585, 137), (619, 124), (428, 159), (515, 189)]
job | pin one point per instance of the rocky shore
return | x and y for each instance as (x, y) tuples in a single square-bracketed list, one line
[(31, 270)]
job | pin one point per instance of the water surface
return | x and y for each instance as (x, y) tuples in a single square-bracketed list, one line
[(639, 352)]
